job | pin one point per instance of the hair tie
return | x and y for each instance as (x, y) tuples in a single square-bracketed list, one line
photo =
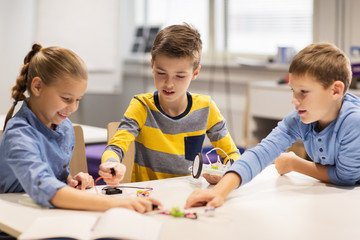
[(15, 102)]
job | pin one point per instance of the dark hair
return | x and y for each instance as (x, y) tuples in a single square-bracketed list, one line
[(50, 65), (325, 62), (178, 41)]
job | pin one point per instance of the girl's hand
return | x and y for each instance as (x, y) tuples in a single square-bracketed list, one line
[(139, 204), (105, 172), (81, 181)]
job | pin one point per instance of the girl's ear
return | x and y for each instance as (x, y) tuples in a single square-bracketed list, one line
[(338, 89), (36, 86)]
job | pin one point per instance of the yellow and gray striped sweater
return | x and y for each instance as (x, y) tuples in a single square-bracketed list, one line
[(166, 146)]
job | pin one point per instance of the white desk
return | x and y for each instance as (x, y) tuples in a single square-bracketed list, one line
[(92, 134), (270, 207)]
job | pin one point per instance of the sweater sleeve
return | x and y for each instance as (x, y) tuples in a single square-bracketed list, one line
[(346, 170), (133, 120), (254, 160), (219, 135)]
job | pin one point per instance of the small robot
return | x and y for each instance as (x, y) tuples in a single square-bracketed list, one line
[(217, 168)]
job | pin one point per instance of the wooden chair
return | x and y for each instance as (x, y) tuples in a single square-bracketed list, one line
[(128, 160), (78, 162)]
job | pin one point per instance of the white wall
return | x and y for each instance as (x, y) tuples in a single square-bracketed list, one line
[(16, 31), (335, 21)]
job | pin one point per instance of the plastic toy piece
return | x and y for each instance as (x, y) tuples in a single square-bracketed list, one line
[(113, 172), (141, 193), (175, 212), (209, 211), (111, 190), (217, 168)]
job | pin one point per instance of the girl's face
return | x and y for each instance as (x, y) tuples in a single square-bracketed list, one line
[(52, 104)]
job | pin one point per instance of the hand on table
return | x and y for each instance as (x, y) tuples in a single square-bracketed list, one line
[(204, 197), (283, 163), (139, 204)]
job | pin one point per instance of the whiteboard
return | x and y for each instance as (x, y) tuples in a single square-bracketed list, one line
[(90, 28)]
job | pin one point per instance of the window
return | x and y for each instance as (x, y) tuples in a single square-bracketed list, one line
[(256, 27), (168, 12), (260, 26)]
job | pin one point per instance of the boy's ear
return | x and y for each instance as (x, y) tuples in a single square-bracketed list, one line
[(338, 89), (36, 86), (152, 63), (196, 72)]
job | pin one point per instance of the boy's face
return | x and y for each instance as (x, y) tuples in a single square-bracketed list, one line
[(172, 78), (313, 102)]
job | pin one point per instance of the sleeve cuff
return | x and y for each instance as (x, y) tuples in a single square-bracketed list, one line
[(109, 155), (243, 169)]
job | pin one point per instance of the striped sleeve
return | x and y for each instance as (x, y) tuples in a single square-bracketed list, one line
[(133, 120), (219, 135)]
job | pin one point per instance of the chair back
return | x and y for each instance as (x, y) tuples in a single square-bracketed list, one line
[(78, 162), (128, 160)]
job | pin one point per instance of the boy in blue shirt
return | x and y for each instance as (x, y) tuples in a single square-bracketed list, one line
[(326, 119)]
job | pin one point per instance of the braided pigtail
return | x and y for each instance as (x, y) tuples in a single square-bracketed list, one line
[(18, 91)]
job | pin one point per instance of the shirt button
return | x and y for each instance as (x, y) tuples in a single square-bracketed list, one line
[(321, 150), (323, 158), (65, 166), (319, 139), (39, 182)]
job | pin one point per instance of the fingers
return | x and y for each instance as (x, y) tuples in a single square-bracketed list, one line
[(143, 205), (112, 181), (212, 179), (73, 183), (197, 198), (120, 170), (109, 178), (83, 180), (105, 169), (155, 201)]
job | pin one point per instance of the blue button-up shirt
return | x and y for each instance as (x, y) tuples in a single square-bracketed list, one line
[(337, 146), (35, 158)]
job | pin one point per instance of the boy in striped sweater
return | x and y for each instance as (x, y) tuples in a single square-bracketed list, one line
[(169, 125)]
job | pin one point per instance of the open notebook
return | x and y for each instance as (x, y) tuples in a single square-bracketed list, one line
[(116, 223)]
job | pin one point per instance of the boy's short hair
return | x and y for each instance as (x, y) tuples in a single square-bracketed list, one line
[(178, 41), (325, 62)]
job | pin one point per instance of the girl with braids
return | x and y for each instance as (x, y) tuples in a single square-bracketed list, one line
[(38, 141)]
